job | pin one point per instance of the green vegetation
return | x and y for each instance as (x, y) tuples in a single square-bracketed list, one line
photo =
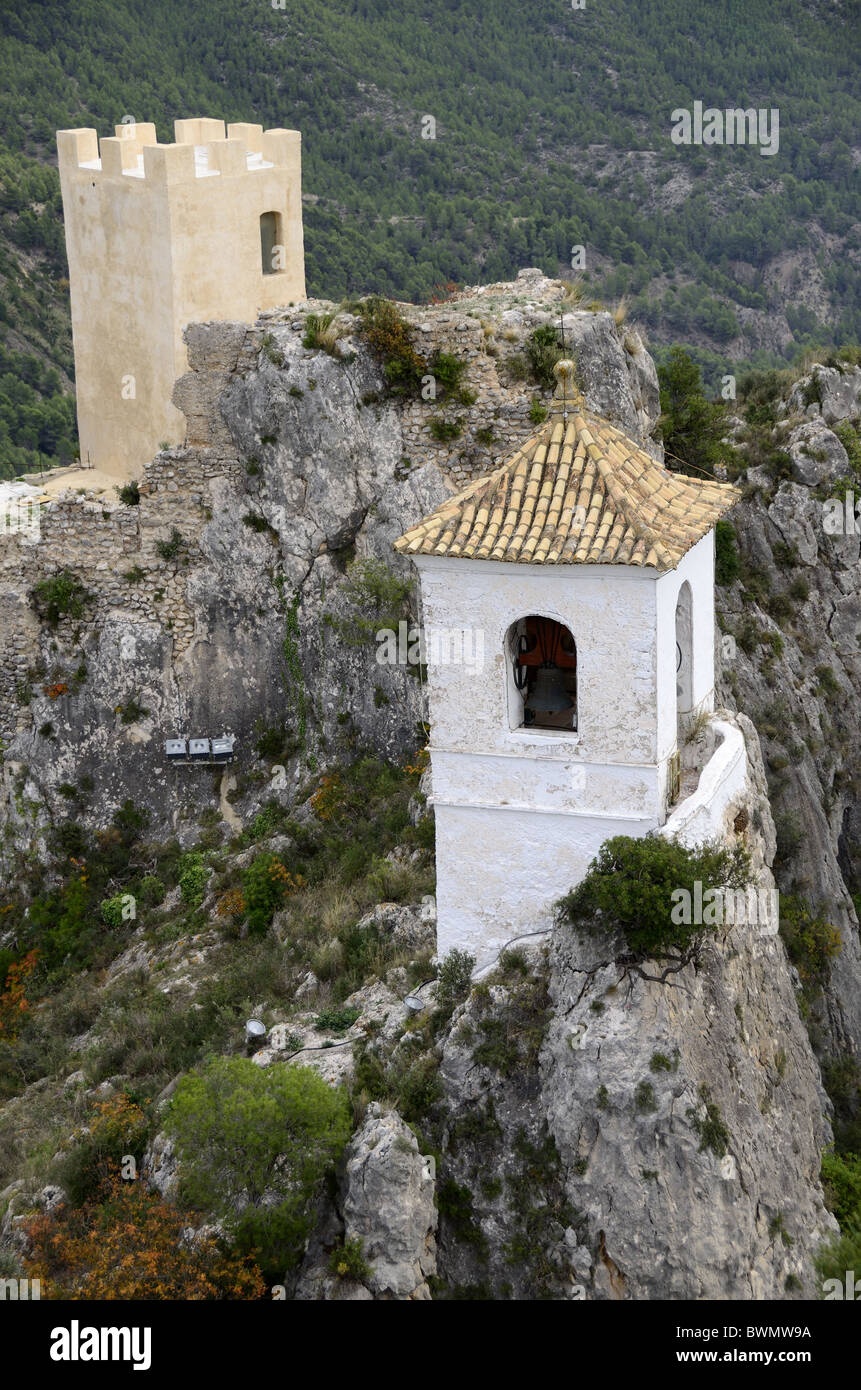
[(811, 943), (727, 562), (246, 1133), (454, 979), (61, 596), (691, 426), (347, 1261), (396, 214), (337, 1020), (377, 598), (713, 1133), (169, 549), (129, 494), (632, 888)]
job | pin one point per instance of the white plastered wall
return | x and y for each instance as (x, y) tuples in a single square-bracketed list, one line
[(520, 813), (697, 569)]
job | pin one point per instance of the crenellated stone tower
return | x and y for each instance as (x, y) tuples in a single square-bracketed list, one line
[(160, 236)]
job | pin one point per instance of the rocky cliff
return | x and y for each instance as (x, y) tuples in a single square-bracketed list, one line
[(572, 1129), (223, 602), (793, 613)]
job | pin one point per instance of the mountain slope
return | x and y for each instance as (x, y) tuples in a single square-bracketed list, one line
[(552, 131)]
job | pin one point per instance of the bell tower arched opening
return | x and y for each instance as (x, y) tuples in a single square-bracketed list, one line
[(543, 657), (684, 659)]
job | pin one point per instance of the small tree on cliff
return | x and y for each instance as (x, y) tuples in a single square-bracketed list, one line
[(632, 888)]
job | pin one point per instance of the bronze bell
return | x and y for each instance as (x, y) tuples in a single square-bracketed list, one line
[(549, 695)]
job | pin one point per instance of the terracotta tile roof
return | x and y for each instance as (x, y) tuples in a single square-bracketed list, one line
[(579, 492)]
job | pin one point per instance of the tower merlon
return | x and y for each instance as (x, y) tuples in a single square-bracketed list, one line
[(117, 155), (198, 130), (251, 134), (77, 147), (138, 132)]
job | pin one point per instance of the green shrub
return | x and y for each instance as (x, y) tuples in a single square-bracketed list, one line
[(542, 353), (264, 884), (841, 1181), (118, 1129), (827, 682), (337, 1020), (445, 430), (834, 1259), (811, 943), (727, 562), (378, 598), (132, 711), (348, 1262), (455, 978), (644, 1098), (193, 878), (447, 370), (61, 596), (390, 337), (169, 549), (129, 494), (713, 1133), (630, 886), (112, 910), (245, 1134), (152, 890)]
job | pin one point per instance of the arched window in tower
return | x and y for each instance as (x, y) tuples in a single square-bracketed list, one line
[(543, 659), (684, 658), (271, 243)]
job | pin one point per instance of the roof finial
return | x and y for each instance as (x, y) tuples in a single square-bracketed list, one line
[(566, 395)]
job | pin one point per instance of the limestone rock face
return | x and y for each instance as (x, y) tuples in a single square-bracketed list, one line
[(222, 602), (817, 454), (386, 1202), (827, 392), (389, 1206), (805, 704)]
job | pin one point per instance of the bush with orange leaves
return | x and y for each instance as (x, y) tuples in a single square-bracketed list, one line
[(231, 904), (327, 797), (418, 764), (266, 883), (128, 1243), (13, 1000), (116, 1131)]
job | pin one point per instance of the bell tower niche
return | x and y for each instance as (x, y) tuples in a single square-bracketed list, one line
[(568, 566), (544, 655)]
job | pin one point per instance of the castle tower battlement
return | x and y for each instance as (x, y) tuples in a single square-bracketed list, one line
[(160, 236)]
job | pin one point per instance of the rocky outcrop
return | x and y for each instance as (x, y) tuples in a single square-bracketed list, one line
[(222, 602), (389, 1206), (386, 1212), (612, 1135), (794, 666)]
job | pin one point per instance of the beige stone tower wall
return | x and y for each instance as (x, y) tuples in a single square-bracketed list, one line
[(159, 236)]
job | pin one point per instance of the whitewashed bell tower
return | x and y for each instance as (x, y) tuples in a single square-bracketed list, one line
[(583, 571)]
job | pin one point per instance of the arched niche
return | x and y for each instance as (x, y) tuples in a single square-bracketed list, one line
[(542, 664)]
